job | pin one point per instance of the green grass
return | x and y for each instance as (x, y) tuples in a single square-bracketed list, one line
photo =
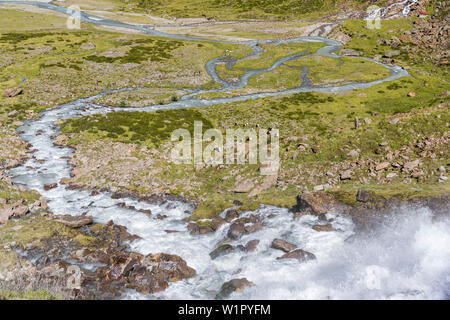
[(27, 295), (136, 127), (250, 9), (323, 70)]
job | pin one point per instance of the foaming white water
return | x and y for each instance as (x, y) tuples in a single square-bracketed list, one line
[(408, 257)]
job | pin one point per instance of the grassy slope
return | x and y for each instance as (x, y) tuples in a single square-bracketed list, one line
[(226, 9), (250, 9), (325, 123)]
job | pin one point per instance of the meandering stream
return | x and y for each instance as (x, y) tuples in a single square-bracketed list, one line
[(410, 256)]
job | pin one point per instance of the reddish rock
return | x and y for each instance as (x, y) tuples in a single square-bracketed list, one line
[(285, 246), (50, 186)]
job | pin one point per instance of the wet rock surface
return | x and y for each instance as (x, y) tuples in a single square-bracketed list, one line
[(300, 255), (221, 250), (283, 245), (232, 286)]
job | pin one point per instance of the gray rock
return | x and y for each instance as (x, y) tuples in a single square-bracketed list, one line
[(221, 251), (391, 53), (252, 245), (75, 221), (236, 231), (362, 196)]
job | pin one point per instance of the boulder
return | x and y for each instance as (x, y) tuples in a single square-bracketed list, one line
[(353, 153), (394, 121), (268, 182), (75, 221), (363, 196), (346, 175), (50, 186), (43, 202), (391, 53), (59, 140), (317, 202), (216, 223), (300, 255), (9, 93), (283, 245), (251, 245), (5, 214), (323, 228), (411, 165), (169, 267), (350, 53), (20, 211), (236, 231), (232, 286), (87, 46), (231, 215), (243, 186), (382, 166), (195, 229), (221, 251), (12, 163)]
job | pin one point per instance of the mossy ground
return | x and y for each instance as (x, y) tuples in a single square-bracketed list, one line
[(27, 295)]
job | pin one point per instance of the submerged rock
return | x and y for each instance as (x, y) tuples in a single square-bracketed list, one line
[(252, 245), (236, 231), (232, 286), (221, 251)]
